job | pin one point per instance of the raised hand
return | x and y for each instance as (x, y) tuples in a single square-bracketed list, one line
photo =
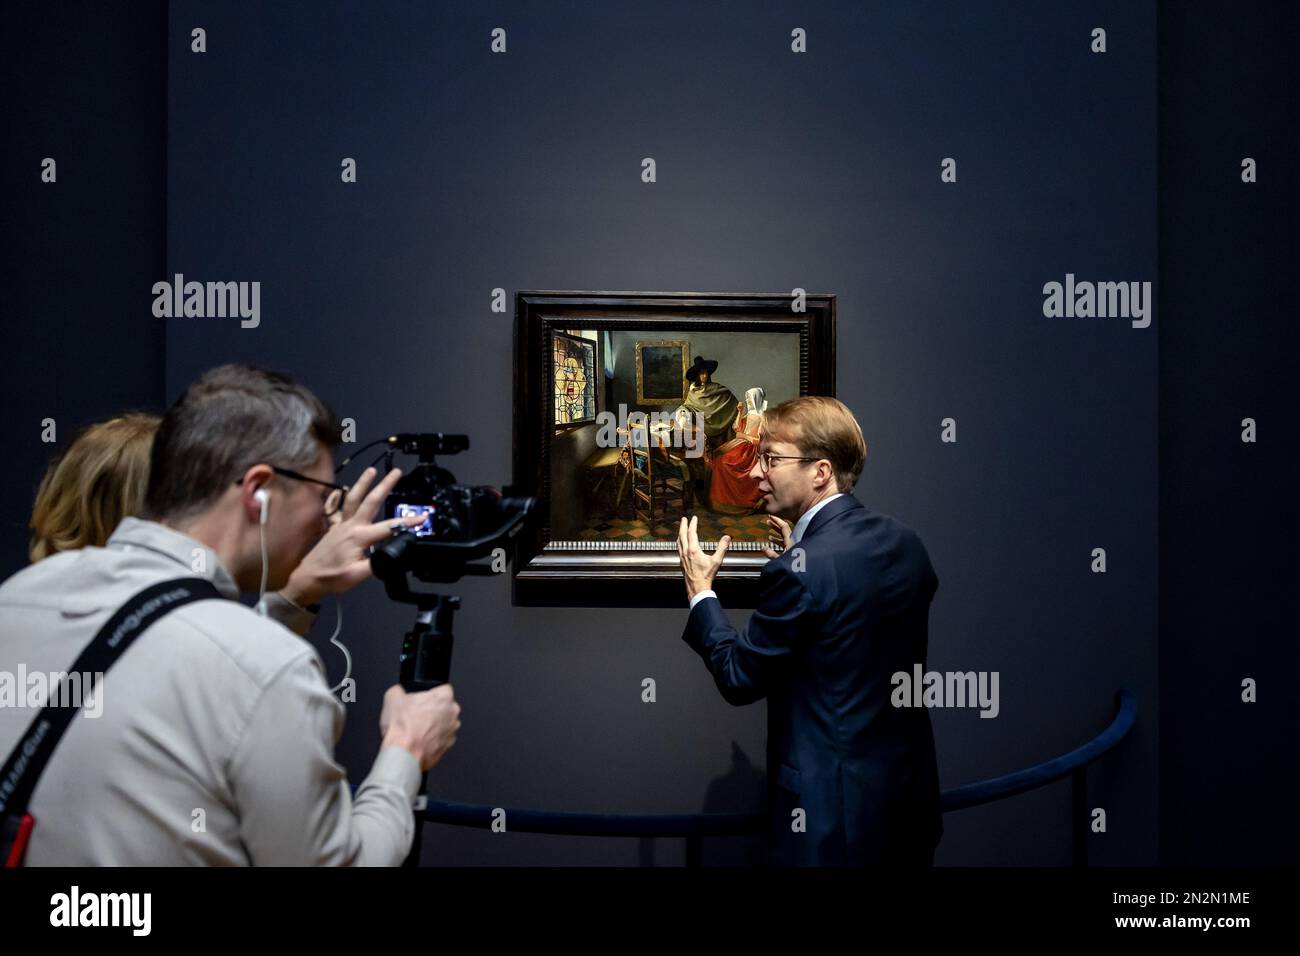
[(780, 533), (698, 568), (341, 559)]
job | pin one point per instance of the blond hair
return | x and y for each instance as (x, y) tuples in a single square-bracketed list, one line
[(92, 486), (821, 427)]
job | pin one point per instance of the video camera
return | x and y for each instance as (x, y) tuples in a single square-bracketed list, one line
[(462, 524)]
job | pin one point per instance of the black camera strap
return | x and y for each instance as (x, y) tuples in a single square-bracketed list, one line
[(23, 768)]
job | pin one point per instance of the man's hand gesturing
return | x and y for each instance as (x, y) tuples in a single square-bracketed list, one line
[(341, 559), (779, 532), (698, 568)]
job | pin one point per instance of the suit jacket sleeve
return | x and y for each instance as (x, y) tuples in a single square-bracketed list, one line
[(745, 664)]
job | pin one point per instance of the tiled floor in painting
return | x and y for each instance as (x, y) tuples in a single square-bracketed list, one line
[(710, 526)]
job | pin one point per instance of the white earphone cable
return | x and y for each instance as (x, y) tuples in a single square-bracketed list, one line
[(338, 629), (261, 591), (338, 608)]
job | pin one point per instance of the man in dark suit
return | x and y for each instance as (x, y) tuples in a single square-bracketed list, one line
[(852, 779)]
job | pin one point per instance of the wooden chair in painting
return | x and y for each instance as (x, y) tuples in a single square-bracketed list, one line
[(605, 480), (659, 479)]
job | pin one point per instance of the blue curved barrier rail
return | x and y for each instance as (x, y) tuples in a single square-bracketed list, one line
[(693, 826)]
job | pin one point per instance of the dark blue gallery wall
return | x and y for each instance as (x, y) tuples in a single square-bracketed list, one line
[(84, 84), (775, 170), (1229, 350), (88, 78)]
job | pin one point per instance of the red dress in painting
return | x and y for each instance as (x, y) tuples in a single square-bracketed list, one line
[(732, 489)]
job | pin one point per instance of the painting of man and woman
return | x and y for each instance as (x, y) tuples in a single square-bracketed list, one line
[(650, 429)]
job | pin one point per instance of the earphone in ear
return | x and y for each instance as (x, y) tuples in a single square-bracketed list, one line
[(264, 497)]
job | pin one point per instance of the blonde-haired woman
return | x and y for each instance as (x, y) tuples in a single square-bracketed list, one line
[(92, 486)]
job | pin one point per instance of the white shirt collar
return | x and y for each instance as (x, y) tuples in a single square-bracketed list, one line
[(802, 524)]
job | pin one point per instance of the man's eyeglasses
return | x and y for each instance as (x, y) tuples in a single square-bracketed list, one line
[(765, 460), (331, 505)]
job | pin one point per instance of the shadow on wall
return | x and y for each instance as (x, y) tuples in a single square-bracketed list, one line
[(741, 790)]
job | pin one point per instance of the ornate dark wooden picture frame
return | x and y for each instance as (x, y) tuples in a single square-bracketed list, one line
[(611, 492)]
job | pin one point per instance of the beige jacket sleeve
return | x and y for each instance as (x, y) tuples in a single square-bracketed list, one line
[(293, 800)]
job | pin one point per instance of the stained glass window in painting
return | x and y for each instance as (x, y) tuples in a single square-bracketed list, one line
[(573, 363)]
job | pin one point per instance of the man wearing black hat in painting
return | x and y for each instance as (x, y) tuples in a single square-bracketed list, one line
[(716, 406), (714, 402)]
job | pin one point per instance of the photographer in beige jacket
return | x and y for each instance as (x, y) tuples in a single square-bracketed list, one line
[(212, 741)]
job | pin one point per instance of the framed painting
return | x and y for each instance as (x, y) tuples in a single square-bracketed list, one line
[(636, 409), (661, 372)]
